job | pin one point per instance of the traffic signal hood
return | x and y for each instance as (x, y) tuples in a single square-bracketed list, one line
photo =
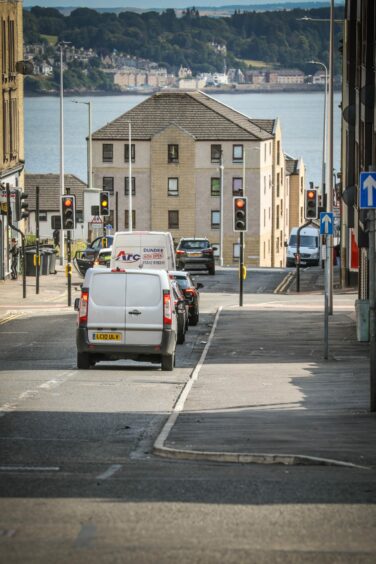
[(311, 204), (21, 206), (104, 203), (68, 206), (240, 213)]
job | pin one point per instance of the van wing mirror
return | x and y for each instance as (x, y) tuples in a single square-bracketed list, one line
[(199, 285)]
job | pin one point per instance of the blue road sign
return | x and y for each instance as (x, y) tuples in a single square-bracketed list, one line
[(367, 190), (326, 223)]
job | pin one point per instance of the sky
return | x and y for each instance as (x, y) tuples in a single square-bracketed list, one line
[(154, 3)]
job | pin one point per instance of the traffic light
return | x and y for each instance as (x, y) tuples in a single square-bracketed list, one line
[(240, 213), (68, 206), (311, 204), (21, 207), (104, 203)]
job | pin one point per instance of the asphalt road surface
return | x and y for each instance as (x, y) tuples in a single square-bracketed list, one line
[(78, 482)]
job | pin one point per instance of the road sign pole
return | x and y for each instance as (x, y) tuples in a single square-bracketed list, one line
[(69, 267), (372, 313), (326, 299)]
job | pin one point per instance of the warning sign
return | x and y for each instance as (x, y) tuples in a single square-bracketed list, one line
[(96, 220)]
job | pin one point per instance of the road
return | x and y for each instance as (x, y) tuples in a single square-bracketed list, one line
[(78, 481)]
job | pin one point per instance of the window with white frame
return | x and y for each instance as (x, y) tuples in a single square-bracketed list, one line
[(237, 153), (215, 186), (215, 219), (237, 186), (173, 187)]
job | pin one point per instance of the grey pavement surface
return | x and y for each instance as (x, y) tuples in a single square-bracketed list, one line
[(265, 386)]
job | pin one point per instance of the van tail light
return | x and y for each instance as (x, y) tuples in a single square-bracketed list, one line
[(84, 306), (167, 308), (207, 251)]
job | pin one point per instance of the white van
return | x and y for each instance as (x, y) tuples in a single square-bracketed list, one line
[(143, 249), (126, 314), (309, 246)]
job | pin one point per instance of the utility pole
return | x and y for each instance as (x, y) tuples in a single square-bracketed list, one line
[(221, 210), (37, 255)]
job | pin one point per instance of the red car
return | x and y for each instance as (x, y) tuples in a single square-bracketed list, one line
[(191, 293)]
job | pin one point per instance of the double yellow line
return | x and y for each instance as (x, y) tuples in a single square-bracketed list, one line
[(10, 317)]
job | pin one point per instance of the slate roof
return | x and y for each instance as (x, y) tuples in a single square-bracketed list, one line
[(49, 190), (291, 165), (200, 115), (266, 124)]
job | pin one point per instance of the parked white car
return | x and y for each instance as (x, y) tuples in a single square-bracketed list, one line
[(126, 314)]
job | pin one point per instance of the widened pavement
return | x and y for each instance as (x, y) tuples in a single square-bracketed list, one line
[(265, 393), (52, 297)]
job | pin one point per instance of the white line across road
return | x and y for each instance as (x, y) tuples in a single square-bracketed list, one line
[(109, 472), (29, 468), (29, 394)]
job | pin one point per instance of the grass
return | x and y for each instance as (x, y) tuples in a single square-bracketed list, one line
[(258, 64), (52, 39)]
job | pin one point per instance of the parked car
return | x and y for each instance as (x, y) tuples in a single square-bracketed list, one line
[(195, 254), (83, 260), (126, 314), (182, 312), (191, 293), (103, 258)]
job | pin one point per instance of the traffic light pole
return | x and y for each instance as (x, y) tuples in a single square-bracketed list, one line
[(241, 268), (10, 224), (69, 267), (297, 256)]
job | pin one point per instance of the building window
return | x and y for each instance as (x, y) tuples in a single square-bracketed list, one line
[(215, 219), (215, 153), (108, 184), (278, 181), (108, 152), (237, 153), (126, 153), (215, 186), (281, 176), (278, 151), (173, 187), (173, 153), (126, 219), (173, 219), (42, 216), (237, 186), (126, 186), (277, 218)]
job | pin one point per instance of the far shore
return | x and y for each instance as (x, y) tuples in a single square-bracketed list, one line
[(243, 89)]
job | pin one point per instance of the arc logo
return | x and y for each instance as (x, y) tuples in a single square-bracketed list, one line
[(127, 257)]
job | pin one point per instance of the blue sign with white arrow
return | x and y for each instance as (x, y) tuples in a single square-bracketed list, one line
[(326, 223), (367, 190)]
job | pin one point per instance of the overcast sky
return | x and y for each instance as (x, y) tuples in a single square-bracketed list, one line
[(152, 3)]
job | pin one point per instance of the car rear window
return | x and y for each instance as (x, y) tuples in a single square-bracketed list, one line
[(187, 245), (182, 281), (143, 290), (108, 290)]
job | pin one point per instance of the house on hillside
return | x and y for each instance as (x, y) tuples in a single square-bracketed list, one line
[(181, 141)]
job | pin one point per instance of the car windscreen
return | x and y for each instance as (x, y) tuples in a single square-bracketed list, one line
[(182, 281), (187, 245), (309, 241)]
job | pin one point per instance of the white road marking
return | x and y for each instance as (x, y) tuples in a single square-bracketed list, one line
[(29, 468), (49, 384), (109, 472)]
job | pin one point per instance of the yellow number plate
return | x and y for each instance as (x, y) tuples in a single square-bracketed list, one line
[(194, 254), (107, 336)]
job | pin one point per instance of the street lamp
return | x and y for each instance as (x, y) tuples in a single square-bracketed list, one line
[(130, 184), (323, 178), (89, 147)]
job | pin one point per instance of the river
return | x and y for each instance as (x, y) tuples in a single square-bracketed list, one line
[(300, 114)]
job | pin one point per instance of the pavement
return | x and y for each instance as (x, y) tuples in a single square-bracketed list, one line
[(52, 296), (264, 393)]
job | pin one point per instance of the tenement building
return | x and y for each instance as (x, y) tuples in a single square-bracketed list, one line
[(185, 148), (11, 114)]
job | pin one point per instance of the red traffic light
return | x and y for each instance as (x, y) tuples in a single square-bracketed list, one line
[(68, 202), (240, 203)]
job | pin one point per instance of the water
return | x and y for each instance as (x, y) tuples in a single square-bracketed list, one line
[(301, 116)]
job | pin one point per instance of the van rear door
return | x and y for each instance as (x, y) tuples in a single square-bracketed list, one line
[(144, 308), (106, 308)]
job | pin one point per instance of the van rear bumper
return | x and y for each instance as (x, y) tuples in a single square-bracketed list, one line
[(167, 347)]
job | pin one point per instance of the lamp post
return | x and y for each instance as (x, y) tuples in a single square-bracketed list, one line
[(323, 177), (130, 184), (221, 168), (89, 147)]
